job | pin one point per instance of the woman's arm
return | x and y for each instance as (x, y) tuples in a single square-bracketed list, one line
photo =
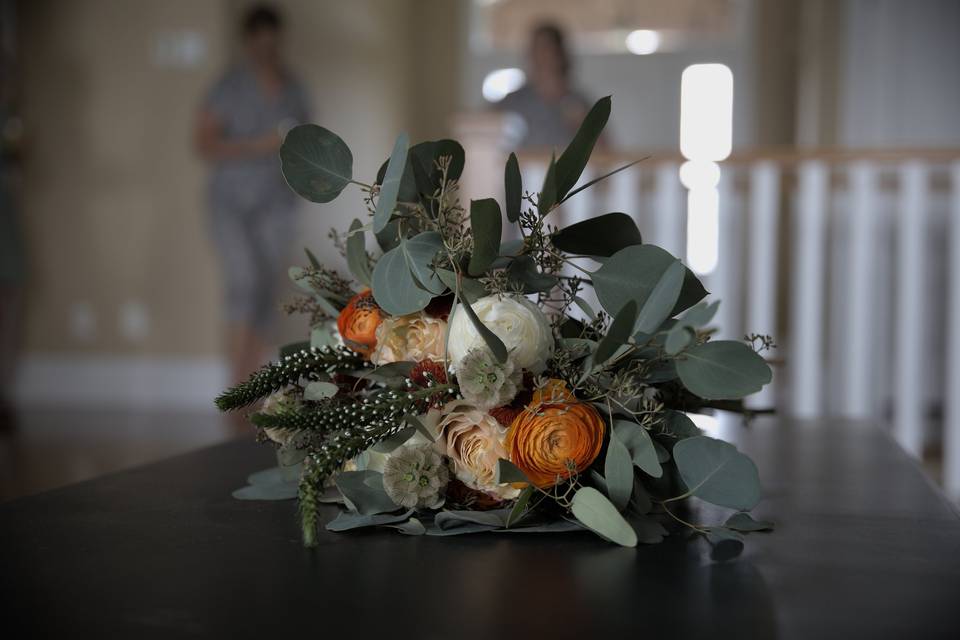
[(211, 145)]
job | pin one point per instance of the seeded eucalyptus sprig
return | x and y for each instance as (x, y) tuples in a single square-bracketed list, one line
[(306, 363)]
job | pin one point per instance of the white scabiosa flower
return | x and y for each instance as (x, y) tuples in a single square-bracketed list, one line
[(276, 403), (484, 382), (415, 477), (519, 323)]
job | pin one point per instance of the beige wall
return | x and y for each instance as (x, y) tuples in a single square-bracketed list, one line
[(112, 192)]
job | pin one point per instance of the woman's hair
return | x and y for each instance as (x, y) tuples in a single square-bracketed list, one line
[(554, 34), (261, 17)]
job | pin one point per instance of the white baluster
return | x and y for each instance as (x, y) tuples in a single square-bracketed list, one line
[(624, 195), (911, 229), (858, 401), (951, 448), (808, 287), (762, 255), (725, 282), (668, 212)]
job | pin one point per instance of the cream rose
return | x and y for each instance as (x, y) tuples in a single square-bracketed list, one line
[(518, 322), (411, 338), (474, 441)]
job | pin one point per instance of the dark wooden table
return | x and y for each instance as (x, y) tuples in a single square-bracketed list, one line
[(865, 547)]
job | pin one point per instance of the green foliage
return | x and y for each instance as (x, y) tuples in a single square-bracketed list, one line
[(509, 472), (513, 186), (744, 522), (290, 369), (573, 160), (639, 446), (618, 472), (494, 343), (713, 470), (485, 222), (363, 492), (316, 163), (316, 391), (394, 287), (618, 334), (600, 236), (597, 513), (723, 369), (390, 188), (357, 258), (420, 252)]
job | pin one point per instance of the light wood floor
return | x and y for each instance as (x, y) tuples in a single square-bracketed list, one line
[(48, 448)]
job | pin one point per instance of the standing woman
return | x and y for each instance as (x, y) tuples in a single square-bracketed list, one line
[(252, 211)]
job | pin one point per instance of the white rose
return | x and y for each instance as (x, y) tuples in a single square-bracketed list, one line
[(518, 322)]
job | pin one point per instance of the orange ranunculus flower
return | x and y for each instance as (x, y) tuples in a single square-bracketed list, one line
[(554, 432), (358, 322)]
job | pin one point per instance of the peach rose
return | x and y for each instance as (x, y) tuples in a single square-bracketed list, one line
[(413, 338), (473, 440), (554, 433), (358, 322)]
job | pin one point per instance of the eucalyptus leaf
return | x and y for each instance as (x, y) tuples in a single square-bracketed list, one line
[(585, 307), (597, 513), (713, 470), (420, 251), (493, 342), (640, 446), (679, 338), (411, 527), (640, 501), (363, 492), (573, 160), (662, 299), (394, 287), (634, 272), (347, 520), (315, 162), (548, 193), (312, 258), (509, 472), (726, 544), (453, 519), (357, 258), (321, 337), (470, 289), (317, 391), (513, 186), (680, 425), (587, 185), (389, 371), (417, 424), (744, 522), (600, 236), (700, 314), (618, 334), (722, 370), (486, 226), (618, 472), (390, 188), (520, 506), (523, 271)]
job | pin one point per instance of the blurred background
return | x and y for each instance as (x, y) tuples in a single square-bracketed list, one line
[(812, 145)]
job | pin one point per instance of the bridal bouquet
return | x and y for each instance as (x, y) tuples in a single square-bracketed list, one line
[(461, 382)]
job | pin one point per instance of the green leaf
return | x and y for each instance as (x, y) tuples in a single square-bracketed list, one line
[(715, 471), (411, 527), (618, 472), (317, 391), (585, 307), (744, 522), (363, 492), (700, 314), (321, 337), (639, 445), (389, 371), (680, 425), (598, 514), (496, 346), (523, 271), (722, 370), (394, 286), (470, 289), (485, 223), (312, 258), (357, 258), (388, 445), (421, 428), (574, 158), (347, 520), (548, 193), (589, 184), (509, 472), (618, 334), (634, 272), (390, 188), (454, 519), (520, 506), (661, 300), (420, 251), (513, 184), (600, 236), (679, 338), (691, 293), (315, 162)]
